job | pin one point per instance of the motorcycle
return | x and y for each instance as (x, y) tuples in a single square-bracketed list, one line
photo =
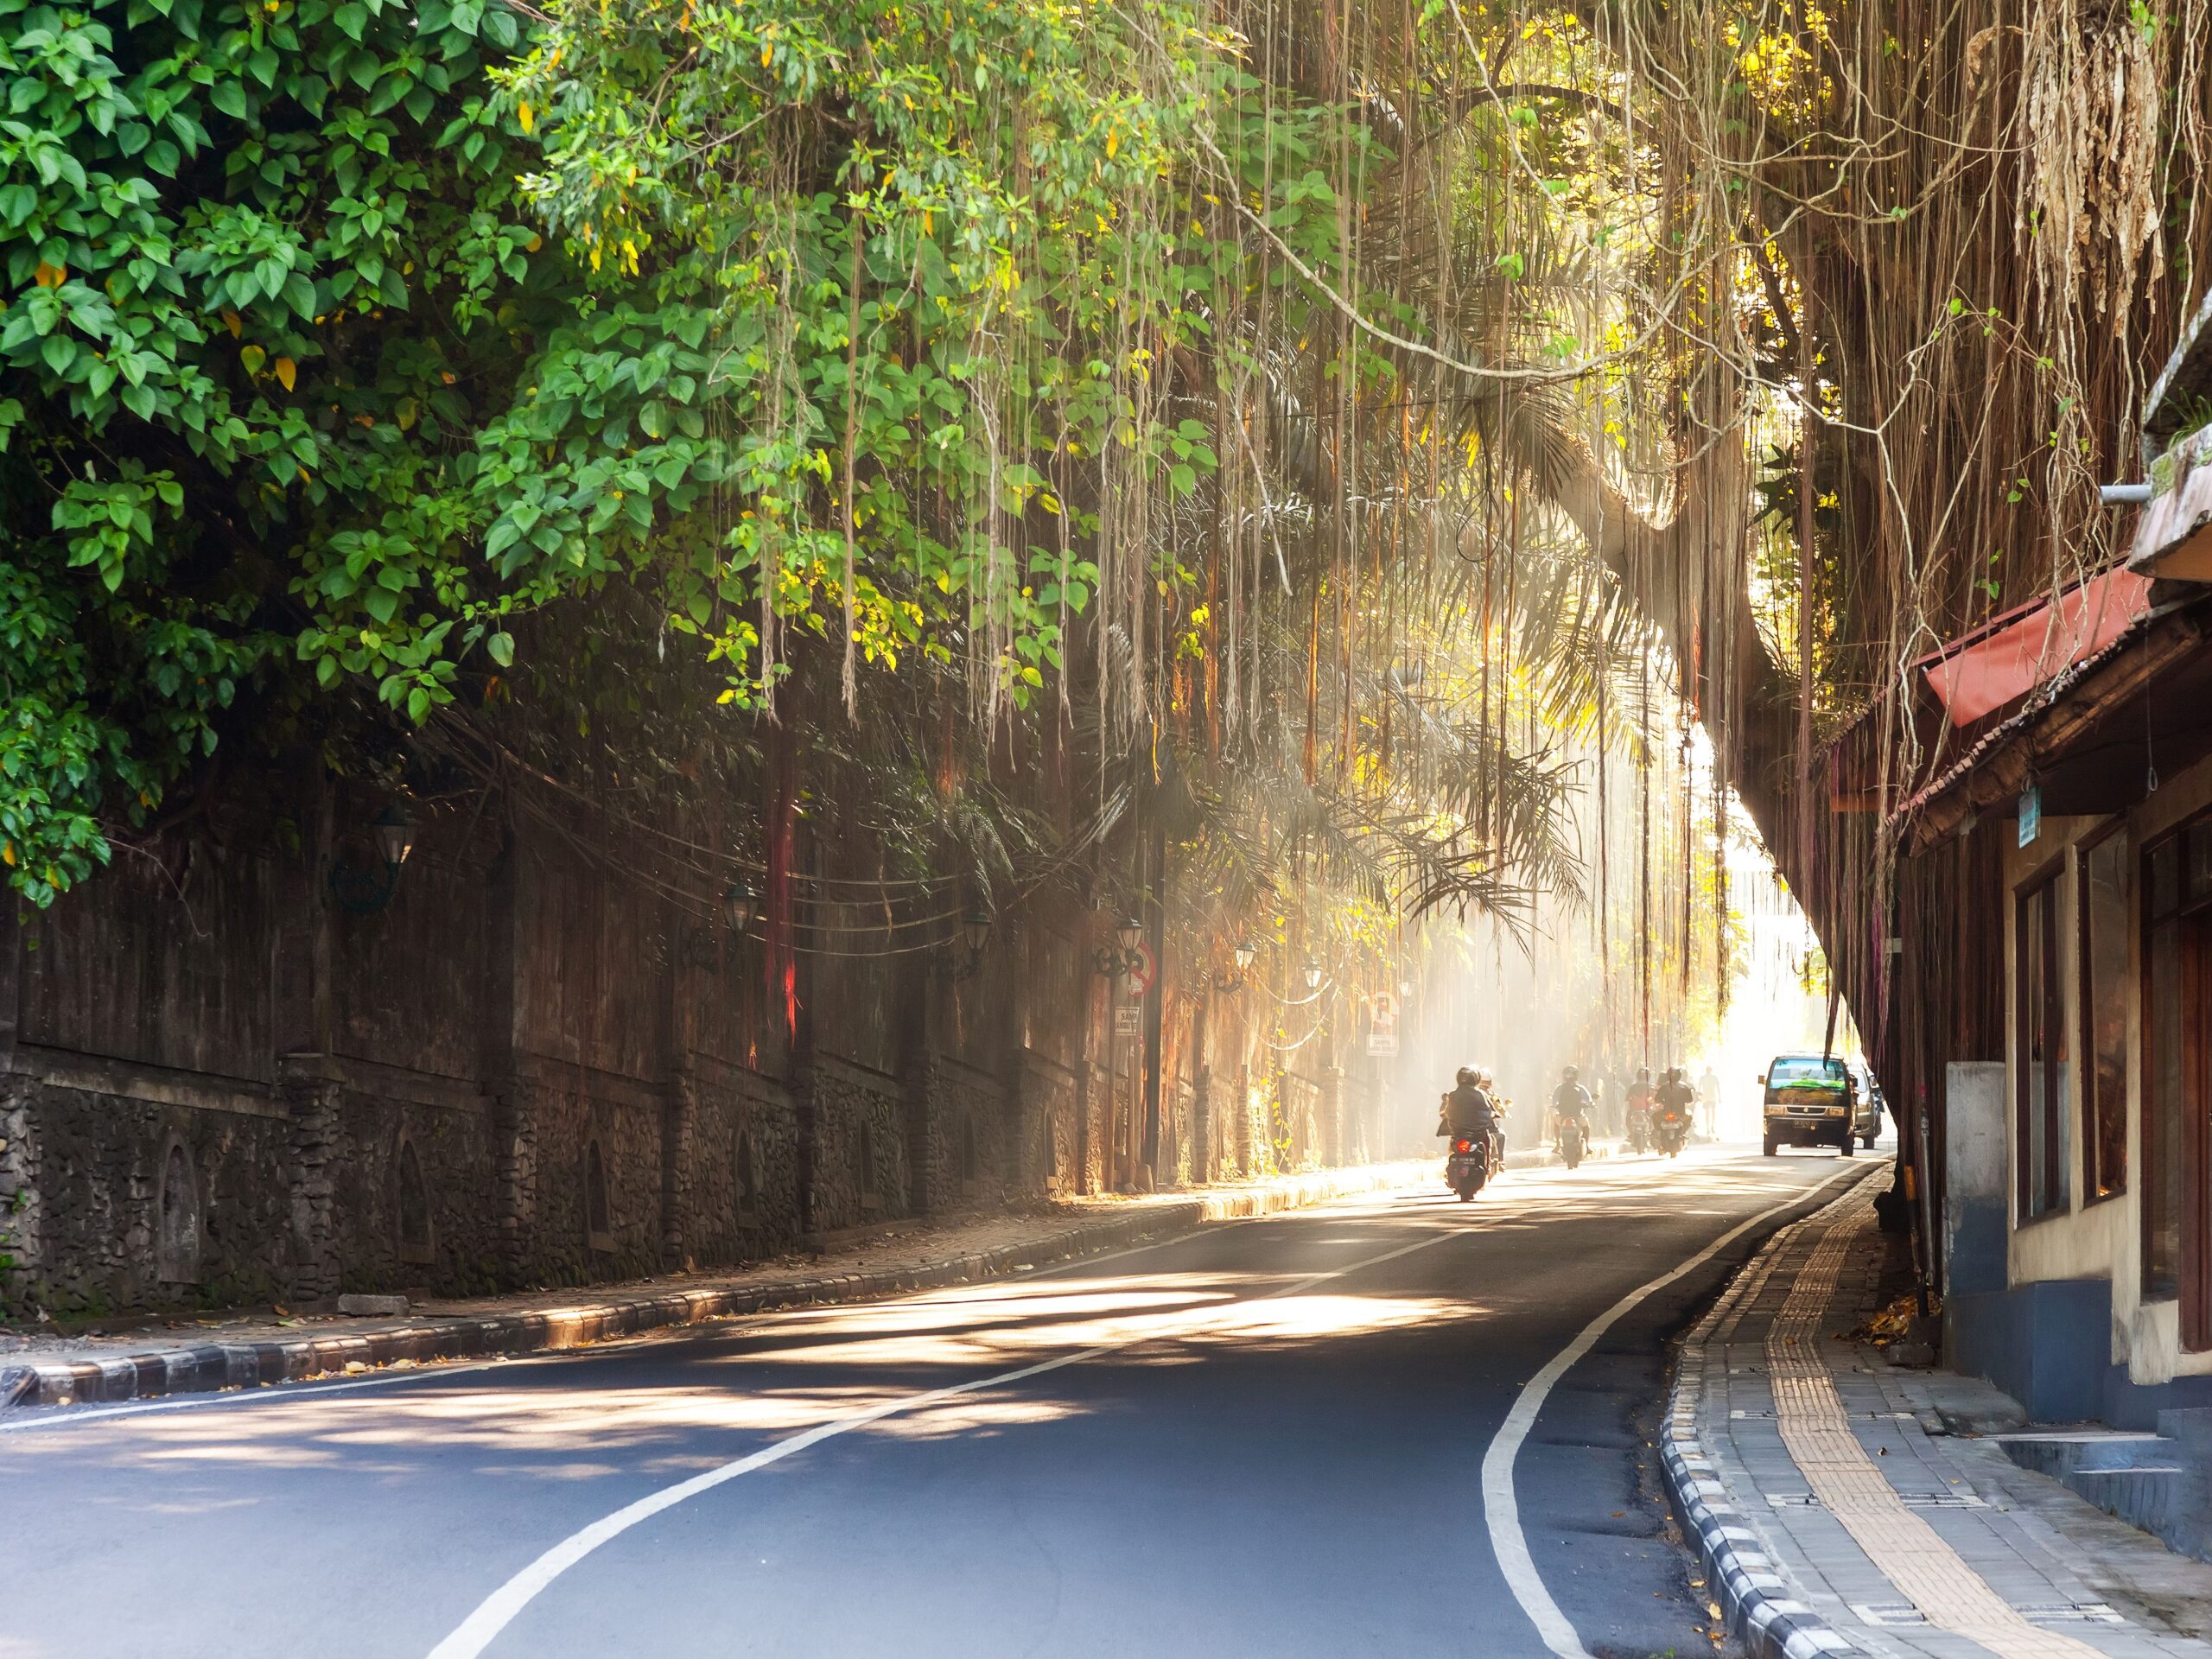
[(1573, 1144), (1637, 1129), (1469, 1165), (1671, 1132)]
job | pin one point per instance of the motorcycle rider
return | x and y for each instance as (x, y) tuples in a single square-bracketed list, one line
[(1501, 1111), (1571, 1100), (1468, 1109), (1674, 1097), (1639, 1124)]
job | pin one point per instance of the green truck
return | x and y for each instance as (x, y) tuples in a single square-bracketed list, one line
[(1809, 1102)]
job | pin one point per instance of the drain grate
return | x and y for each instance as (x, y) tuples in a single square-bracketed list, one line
[(1893, 1614)]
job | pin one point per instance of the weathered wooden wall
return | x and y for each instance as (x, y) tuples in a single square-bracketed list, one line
[(219, 1086)]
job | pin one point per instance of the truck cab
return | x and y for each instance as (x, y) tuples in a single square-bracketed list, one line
[(1808, 1101)]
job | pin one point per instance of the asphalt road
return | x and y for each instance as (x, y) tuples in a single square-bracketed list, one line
[(1267, 1438)]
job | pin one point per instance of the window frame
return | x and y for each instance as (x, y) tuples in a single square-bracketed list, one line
[(2047, 883), (2190, 916), (2095, 1190)]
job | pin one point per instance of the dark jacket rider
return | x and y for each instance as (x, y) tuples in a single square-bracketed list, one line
[(1467, 1110), (1571, 1099)]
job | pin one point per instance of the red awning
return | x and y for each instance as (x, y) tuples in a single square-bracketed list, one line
[(2004, 661)]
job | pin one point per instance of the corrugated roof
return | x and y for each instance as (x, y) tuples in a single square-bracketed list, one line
[(1998, 736)]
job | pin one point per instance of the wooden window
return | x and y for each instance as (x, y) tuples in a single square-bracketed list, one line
[(2164, 1069), (2176, 1135), (2102, 906), (2039, 1143)]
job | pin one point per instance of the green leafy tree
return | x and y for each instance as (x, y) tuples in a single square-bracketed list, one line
[(263, 284)]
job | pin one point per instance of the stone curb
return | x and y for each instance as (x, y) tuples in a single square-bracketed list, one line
[(217, 1365), (1753, 1594)]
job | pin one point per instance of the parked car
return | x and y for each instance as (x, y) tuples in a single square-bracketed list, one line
[(1867, 1117), (1809, 1102)]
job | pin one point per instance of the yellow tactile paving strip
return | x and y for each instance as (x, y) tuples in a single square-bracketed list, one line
[(1911, 1553)]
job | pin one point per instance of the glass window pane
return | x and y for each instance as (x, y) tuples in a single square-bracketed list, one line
[(2162, 877), (2162, 1110), (2199, 861), (2104, 1015), (2034, 1145)]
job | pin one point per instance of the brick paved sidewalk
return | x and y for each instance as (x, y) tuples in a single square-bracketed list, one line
[(1836, 1514), (192, 1355)]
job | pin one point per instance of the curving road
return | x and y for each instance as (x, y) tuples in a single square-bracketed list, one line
[(1268, 1438)]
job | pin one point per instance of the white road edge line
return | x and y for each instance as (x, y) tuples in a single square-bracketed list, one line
[(1501, 1509), (499, 1608)]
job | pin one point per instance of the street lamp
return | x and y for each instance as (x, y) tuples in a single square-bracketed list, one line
[(1244, 955), (1312, 973), (364, 891), (975, 934), (1125, 954), (738, 906), (395, 833)]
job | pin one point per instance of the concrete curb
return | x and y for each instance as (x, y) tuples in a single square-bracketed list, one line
[(1747, 1584), (210, 1366)]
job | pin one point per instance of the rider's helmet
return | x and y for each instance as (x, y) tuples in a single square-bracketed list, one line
[(1644, 1074), (1467, 1076), (1570, 1074)]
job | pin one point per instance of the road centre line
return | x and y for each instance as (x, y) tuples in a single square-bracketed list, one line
[(1501, 1509), (500, 1608)]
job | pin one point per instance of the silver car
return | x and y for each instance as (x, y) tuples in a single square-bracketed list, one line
[(1867, 1117)]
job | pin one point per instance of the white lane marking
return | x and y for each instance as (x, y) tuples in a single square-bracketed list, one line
[(1502, 1509), (499, 1608), (438, 1370)]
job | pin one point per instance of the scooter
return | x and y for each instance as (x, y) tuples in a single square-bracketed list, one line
[(1638, 1130), (1471, 1164), (1572, 1145), (1670, 1132)]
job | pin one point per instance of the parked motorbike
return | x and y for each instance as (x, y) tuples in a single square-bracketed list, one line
[(1670, 1131), (1472, 1162), (1573, 1142)]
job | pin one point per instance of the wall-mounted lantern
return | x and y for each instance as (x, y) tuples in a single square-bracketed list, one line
[(364, 891), (738, 905), (1243, 956), (1126, 955), (975, 937)]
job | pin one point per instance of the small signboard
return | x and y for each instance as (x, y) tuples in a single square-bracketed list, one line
[(1143, 968), (1383, 1023), (2030, 814), (1128, 1020)]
